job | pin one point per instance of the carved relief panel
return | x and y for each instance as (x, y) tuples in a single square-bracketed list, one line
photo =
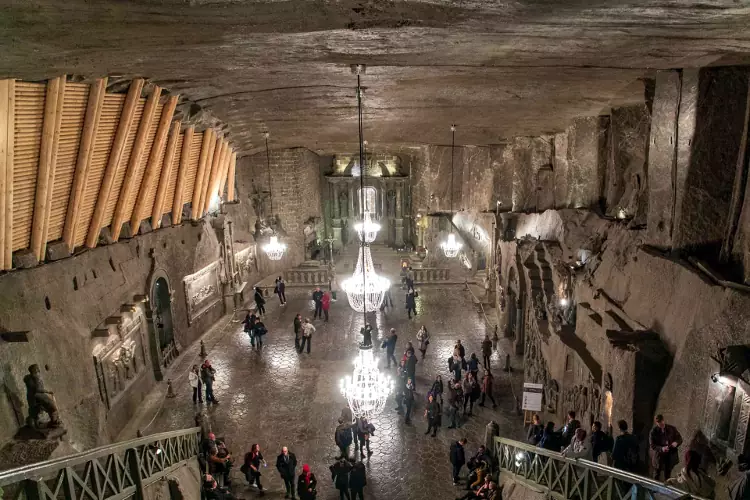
[(202, 290), (246, 261)]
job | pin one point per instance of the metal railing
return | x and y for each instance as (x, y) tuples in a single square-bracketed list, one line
[(112, 472), (575, 479)]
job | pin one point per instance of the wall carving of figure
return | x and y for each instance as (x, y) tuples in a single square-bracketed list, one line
[(344, 204), (596, 401), (551, 393), (39, 399), (261, 202), (391, 200), (540, 310), (608, 382)]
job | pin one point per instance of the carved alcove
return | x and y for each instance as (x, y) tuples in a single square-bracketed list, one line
[(202, 291)]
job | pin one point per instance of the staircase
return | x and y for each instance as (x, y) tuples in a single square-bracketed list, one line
[(129, 469)]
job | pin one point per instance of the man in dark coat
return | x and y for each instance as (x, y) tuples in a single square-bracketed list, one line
[(260, 302), (458, 458), (600, 441), (317, 297), (340, 476), (486, 351), (409, 399), (455, 400), (297, 330), (390, 347), (570, 428), (433, 415), (411, 365), (625, 452), (411, 303), (663, 440), (286, 463), (343, 437), (358, 481)]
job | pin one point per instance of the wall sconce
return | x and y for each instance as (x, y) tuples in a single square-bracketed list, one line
[(564, 302)]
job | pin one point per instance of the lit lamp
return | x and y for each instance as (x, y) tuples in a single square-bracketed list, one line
[(367, 229), (365, 289), (367, 389), (274, 249), (451, 247)]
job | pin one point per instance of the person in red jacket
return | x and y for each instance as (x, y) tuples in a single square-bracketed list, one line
[(326, 304)]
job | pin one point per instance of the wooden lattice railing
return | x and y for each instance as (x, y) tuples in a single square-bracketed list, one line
[(117, 471)]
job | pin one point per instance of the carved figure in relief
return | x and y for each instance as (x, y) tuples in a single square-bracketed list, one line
[(39, 399), (540, 310), (596, 401), (551, 393), (126, 359), (391, 199), (343, 204)]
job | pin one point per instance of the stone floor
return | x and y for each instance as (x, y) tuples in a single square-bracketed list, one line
[(277, 397)]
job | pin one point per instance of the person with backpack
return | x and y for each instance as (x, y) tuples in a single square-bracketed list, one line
[(601, 442), (247, 325), (259, 330), (625, 452)]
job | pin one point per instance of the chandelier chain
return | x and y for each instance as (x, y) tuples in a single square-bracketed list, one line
[(268, 165)]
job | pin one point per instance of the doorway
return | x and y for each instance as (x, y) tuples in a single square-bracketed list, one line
[(163, 325)]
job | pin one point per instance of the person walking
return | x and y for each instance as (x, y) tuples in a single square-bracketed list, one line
[(458, 458), (410, 278), (297, 330), (692, 479), (307, 484), (253, 462), (387, 300), (579, 446), (432, 412), (286, 463), (409, 399), (625, 453), (411, 364), (437, 389), (486, 351), (459, 348), (364, 430), (664, 441), (471, 388), (455, 364), (208, 375), (423, 336), (473, 365), (455, 400), (343, 437), (325, 304), (260, 302), (194, 377), (358, 481), (247, 326), (307, 330), (487, 388), (411, 303), (279, 289), (317, 297), (340, 477), (390, 347), (259, 331)]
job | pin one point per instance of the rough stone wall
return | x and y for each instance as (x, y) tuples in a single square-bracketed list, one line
[(431, 179), (586, 160)]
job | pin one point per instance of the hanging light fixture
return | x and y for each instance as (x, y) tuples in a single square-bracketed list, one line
[(367, 389), (367, 230), (274, 249), (451, 246)]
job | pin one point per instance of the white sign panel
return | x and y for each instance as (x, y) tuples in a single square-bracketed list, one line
[(532, 397)]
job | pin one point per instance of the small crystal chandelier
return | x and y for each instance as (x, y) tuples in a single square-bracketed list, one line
[(274, 250), (367, 229), (365, 289), (367, 389), (451, 247)]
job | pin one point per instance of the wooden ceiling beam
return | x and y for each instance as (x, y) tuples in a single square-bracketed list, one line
[(7, 139), (127, 117), (214, 140), (224, 171), (47, 162), (154, 164), (166, 174), (203, 159), (230, 176), (97, 91), (221, 149), (178, 202), (128, 183)]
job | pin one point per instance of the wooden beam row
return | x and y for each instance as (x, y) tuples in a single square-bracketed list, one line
[(7, 139), (166, 172), (178, 202)]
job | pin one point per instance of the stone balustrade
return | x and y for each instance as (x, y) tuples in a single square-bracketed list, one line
[(431, 274), (306, 276)]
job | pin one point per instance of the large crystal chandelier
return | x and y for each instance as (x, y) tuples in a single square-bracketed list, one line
[(367, 229), (367, 389), (451, 247), (365, 289), (274, 250)]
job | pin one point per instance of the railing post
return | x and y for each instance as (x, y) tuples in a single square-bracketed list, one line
[(134, 465), (33, 489)]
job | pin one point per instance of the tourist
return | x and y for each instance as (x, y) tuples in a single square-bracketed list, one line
[(259, 330), (571, 426), (279, 290), (423, 336), (461, 351), (437, 389), (535, 431), (297, 330), (208, 375), (307, 330), (487, 382), (366, 332), (325, 303), (478, 477), (343, 437), (408, 398), (473, 365), (578, 447), (317, 297), (387, 300), (481, 457), (455, 400), (401, 378), (458, 458), (483, 491), (409, 349), (692, 479), (260, 302), (455, 364), (251, 468), (663, 440), (364, 430), (601, 442), (211, 490), (739, 490), (390, 347), (358, 481), (551, 440), (411, 303), (471, 392), (286, 463), (307, 484), (411, 364), (247, 325), (625, 452), (194, 377), (432, 412), (220, 461), (410, 278), (486, 351), (340, 476)]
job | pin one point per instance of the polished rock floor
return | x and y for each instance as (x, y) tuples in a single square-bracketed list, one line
[(277, 397)]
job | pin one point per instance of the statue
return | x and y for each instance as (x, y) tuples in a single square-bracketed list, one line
[(343, 204), (39, 399), (391, 197)]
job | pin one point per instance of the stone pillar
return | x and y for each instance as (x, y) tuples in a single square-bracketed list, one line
[(336, 212), (490, 433), (399, 201)]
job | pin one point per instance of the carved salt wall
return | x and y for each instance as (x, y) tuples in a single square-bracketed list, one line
[(202, 291), (247, 262)]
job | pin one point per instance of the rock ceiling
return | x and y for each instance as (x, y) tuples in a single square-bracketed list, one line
[(496, 68)]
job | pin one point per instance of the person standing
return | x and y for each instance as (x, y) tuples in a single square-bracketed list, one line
[(625, 453), (358, 481), (473, 365), (432, 412), (208, 375), (411, 364), (579, 447), (571, 426), (259, 331), (364, 430), (343, 437), (340, 476), (194, 377), (325, 303), (692, 479), (390, 347), (486, 351), (411, 303), (307, 484), (458, 458), (286, 463), (487, 389), (367, 335), (423, 336), (601, 443), (297, 330), (280, 289), (317, 297), (253, 462), (437, 389), (409, 399), (535, 431), (470, 387), (664, 441), (459, 348), (455, 400), (260, 302), (410, 278), (307, 330)]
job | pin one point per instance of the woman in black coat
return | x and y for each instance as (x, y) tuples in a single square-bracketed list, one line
[(260, 301)]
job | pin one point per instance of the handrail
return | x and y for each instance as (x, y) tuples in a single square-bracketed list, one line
[(109, 472), (569, 478)]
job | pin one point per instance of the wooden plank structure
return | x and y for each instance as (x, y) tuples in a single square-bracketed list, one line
[(76, 159)]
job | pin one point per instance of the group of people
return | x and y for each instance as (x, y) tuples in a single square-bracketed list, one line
[(479, 482), (200, 378)]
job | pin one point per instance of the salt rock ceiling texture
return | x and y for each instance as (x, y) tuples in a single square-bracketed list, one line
[(497, 69)]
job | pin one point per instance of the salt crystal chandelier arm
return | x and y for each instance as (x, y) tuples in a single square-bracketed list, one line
[(451, 246), (274, 249)]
